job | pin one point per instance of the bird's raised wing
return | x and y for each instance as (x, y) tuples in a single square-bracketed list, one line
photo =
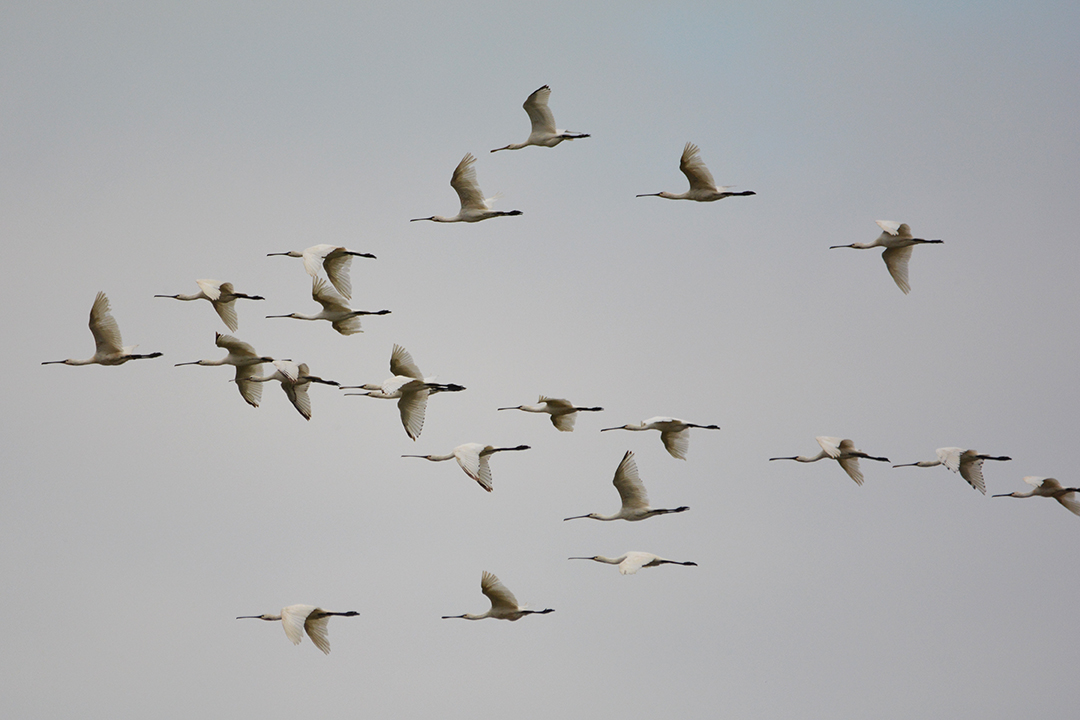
[(889, 226), (694, 169), (328, 297), (292, 619), (337, 263), (233, 345), (896, 259), (313, 257), (677, 443), (104, 328), (556, 402), (501, 598), (401, 363), (249, 390), (634, 561), (831, 445), (543, 122), (289, 369), (629, 485), (1044, 483), (464, 183), (851, 467), (316, 626), (412, 406)]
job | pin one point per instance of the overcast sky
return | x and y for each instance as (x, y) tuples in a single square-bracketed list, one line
[(144, 507)]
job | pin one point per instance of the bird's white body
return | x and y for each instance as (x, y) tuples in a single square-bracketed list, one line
[(966, 462), (245, 359), (842, 451), (635, 501), (702, 186), (335, 260), (473, 459), (674, 433), (221, 296), (109, 348), (474, 206), (298, 619), (343, 318), (898, 243), (504, 606), (563, 413), (409, 387), (295, 380), (1050, 487), (630, 562), (544, 133)]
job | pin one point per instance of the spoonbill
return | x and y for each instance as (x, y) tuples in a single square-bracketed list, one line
[(504, 606), (673, 433), (630, 562), (841, 450), (966, 462), (473, 459), (409, 387), (474, 206), (635, 501), (221, 296), (1049, 487), (243, 356), (344, 319), (563, 413), (702, 186), (110, 348), (296, 619), (295, 380), (898, 243), (334, 259), (544, 133)]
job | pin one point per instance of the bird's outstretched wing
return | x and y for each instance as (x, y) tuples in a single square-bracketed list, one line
[(851, 467), (628, 483), (292, 619), (694, 169), (971, 469), (464, 183), (536, 105), (327, 296), (677, 443), (412, 407), (316, 626), (501, 598), (336, 264), (233, 345), (297, 392), (634, 561), (249, 390), (104, 328), (896, 259)]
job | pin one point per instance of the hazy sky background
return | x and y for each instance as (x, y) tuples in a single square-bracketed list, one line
[(143, 507)]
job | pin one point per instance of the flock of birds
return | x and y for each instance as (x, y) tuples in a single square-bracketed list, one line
[(412, 389)]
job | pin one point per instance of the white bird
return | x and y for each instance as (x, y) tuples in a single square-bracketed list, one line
[(674, 433), (1049, 487), (343, 318), (221, 296), (544, 133), (966, 462), (299, 618), (563, 413), (409, 387), (474, 206), (702, 186), (630, 562), (473, 459), (504, 606), (635, 501), (841, 450), (334, 259), (898, 243), (110, 348), (245, 359), (295, 380)]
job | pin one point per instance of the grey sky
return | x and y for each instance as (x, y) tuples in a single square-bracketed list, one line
[(146, 506)]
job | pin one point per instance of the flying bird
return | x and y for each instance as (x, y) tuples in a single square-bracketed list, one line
[(343, 318), (245, 359), (409, 387), (474, 206), (504, 606), (110, 348), (674, 433), (334, 259), (630, 562), (702, 186), (221, 296), (1049, 487), (563, 413), (966, 462), (296, 619), (544, 133), (473, 459), (635, 501), (898, 243), (295, 380), (841, 450)]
